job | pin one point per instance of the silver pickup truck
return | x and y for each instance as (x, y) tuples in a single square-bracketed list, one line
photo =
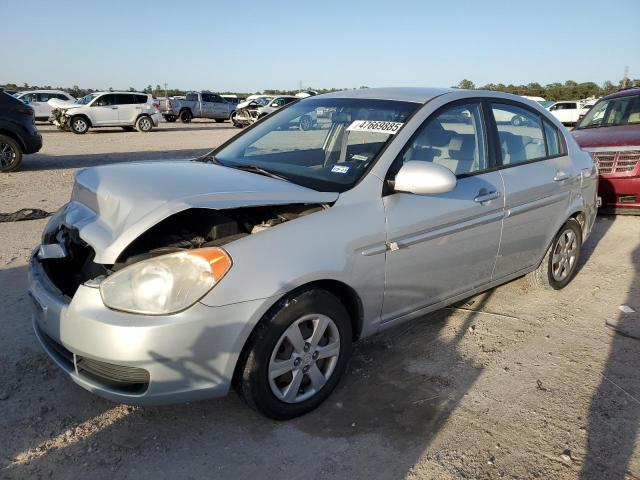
[(196, 105)]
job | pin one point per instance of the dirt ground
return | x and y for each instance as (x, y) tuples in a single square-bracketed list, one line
[(514, 383)]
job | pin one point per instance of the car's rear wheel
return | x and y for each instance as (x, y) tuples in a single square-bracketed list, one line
[(10, 154), (296, 356), (79, 125), (144, 124), (185, 116), (516, 121), (561, 260)]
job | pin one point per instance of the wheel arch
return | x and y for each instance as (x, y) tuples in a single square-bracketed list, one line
[(345, 294), (83, 115), (12, 135)]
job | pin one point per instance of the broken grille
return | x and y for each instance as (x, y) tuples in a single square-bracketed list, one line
[(616, 162)]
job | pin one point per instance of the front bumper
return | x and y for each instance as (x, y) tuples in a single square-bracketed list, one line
[(620, 194), (187, 356)]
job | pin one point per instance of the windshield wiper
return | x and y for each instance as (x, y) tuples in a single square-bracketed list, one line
[(259, 170)]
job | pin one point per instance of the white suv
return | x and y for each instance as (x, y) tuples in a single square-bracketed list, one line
[(37, 99), (128, 110)]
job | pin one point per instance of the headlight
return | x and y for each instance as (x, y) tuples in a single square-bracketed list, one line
[(165, 284)]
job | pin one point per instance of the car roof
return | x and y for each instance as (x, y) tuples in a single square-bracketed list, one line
[(623, 93), (402, 94), (130, 93), (42, 91)]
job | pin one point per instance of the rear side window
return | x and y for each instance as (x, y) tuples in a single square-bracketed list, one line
[(519, 134), (140, 98), (193, 97), (555, 146), (454, 138)]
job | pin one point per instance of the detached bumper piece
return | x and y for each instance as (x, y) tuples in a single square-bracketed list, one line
[(119, 378)]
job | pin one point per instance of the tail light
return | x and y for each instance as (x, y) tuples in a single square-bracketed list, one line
[(168, 103), (25, 110), (156, 106)]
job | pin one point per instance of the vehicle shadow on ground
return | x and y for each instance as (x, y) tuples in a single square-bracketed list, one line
[(43, 162), (613, 421)]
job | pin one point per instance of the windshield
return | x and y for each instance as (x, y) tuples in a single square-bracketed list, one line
[(86, 99), (326, 153), (613, 112)]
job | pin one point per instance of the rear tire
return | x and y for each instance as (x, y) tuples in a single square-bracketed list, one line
[(185, 116), (10, 154), (306, 123), (283, 378), (144, 124), (558, 266), (79, 125)]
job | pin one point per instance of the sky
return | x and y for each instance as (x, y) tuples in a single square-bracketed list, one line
[(248, 45)]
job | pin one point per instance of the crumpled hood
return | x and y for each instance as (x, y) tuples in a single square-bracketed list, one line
[(63, 104), (112, 205)]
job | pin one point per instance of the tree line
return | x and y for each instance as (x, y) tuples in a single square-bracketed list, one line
[(568, 90)]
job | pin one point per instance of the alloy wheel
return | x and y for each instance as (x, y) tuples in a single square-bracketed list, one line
[(7, 155), (564, 254), (304, 358)]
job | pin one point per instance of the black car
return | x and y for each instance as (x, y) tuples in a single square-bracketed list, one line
[(18, 132)]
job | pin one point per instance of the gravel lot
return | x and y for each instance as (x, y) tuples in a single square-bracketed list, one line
[(538, 385)]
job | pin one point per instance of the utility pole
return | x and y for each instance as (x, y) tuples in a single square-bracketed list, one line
[(165, 89)]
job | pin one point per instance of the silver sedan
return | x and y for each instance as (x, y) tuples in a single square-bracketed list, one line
[(259, 264)]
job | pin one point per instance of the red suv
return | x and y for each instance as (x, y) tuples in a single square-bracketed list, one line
[(610, 131)]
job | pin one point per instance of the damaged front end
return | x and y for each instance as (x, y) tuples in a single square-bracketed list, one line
[(60, 118), (69, 261)]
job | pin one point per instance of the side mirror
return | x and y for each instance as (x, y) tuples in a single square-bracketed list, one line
[(424, 178)]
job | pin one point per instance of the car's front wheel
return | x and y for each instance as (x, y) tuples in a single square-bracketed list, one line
[(10, 154), (79, 125), (561, 260), (297, 354)]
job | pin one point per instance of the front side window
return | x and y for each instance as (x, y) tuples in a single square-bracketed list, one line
[(105, 101), (454, 138), (333, 154), (519, 133), (192, 97), (613, 112), (86, 99)]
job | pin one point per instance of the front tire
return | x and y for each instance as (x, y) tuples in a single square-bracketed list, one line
[(561, 260), (144, 124), (79, 125), (10, 154), (296, 355)]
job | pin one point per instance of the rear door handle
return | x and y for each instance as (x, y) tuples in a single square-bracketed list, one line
[(560, 176), (485, 197)]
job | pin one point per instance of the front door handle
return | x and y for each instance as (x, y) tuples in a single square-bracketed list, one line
[(114, 108), (485, 197), (560, 176)]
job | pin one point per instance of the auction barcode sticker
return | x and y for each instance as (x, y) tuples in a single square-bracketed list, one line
[(390, 128)]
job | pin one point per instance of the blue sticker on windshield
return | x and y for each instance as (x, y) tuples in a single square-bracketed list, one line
[(340, 169)]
